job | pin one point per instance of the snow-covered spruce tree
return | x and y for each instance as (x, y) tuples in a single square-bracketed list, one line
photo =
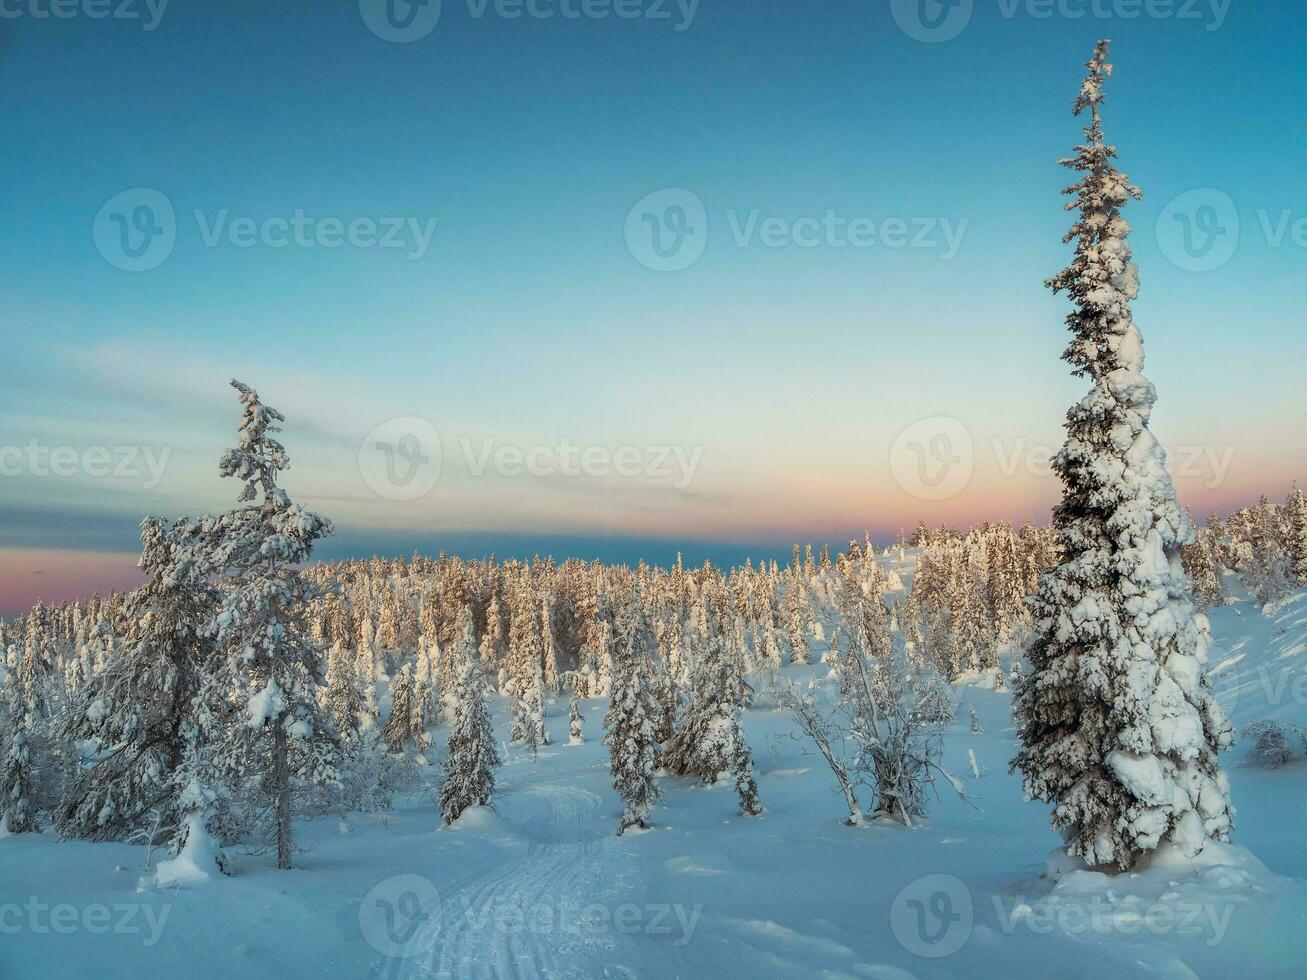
[(534, 733), (575, 721), (367, 770), (1119, 727), (472, 760), (17, 776), (1295, 531), (425, 686), (709, 743), (343, 703), (141, 711), (266, 657), (404, 726), (726, 741), (25, 718), (796, 610), (1270, 573), (1200, 565), (630, 721)]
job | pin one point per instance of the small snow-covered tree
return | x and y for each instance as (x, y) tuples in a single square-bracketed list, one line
[(266, 655), (832, 742), (575, 721), (195, 851), (472, 760), (630, 722), (1119, 729), (534, 733), (1274, 744), (896, 714), (1204, 578), (709, 743), (726, 741), (1270, 573)]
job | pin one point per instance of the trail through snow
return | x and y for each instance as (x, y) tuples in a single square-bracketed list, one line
[(532, 918)]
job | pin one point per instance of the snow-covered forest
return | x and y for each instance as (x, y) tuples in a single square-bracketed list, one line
[(1054, 750), (248, 710)]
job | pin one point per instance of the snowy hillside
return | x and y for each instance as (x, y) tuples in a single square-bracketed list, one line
[(543, 887)]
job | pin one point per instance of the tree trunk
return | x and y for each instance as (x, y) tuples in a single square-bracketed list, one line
[(281, 791)]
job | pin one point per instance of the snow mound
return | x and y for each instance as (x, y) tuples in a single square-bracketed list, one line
[(193, 864), (1192, 898)]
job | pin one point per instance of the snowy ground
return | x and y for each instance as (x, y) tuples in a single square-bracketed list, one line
[(543, 888)]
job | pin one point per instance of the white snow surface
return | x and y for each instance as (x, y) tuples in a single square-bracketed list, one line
[(541, 886)]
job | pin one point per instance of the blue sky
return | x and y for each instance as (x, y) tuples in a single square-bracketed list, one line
[(528, 318)]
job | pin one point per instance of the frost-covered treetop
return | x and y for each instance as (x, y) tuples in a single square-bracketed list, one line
[(1091, 89), (275, 529), (257, 457), (1101, 280)]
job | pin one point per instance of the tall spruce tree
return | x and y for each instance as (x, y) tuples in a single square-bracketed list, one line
[(1119, 727), (267, 658)]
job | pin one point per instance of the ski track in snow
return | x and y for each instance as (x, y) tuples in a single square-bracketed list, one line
[(523, 920)]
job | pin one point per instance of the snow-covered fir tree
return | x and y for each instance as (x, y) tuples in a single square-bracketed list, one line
[(25, 718), (145, 710), (797, 614), (472, 760), (534, 734), (630, 722), (1119, 729), (708, 743), (267, 658), (17, 766), (404, 726), (1269, 570), (1295, 533), (575, 721), (343, 703), (1199, 561)]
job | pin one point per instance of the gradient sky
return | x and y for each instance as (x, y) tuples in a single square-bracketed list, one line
[(788, 373)]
